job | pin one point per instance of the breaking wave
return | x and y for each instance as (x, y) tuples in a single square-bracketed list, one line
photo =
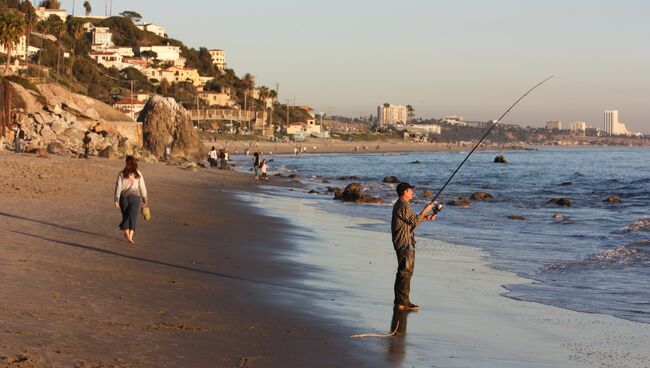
[(636, 225), (634, 254)]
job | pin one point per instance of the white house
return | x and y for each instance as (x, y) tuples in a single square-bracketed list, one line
[(107, 59), (131, 107), (43, 13), (153, 28), (164, 53), (425, 128), (218, 58), (296, 128), (101, 36)]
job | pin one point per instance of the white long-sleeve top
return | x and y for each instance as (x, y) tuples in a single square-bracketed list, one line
[(130, 186)]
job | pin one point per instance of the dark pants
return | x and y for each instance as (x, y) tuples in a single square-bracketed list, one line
[(130, 206), (405, 265), (17, 147)]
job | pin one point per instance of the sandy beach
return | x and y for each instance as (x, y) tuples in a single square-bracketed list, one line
[(226, 275), (204, 287)]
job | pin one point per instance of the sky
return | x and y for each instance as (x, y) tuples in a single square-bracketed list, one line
[(466, 58)]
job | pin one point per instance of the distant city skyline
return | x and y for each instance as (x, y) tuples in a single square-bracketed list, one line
[(470, 58)]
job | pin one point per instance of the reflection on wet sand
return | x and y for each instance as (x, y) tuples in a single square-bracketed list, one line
[(397, 343)]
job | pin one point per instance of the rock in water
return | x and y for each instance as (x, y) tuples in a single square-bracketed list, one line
[(500, 159), (612, 199), (165, 123), (353, 193), (560, 202), (427, 194), (517, 217), (558, 216), (391, 179), (462, 201), (482, 196)]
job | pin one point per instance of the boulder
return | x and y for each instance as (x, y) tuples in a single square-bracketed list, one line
[(482, 196), (567, 184), (190, 166), (558, 216), (462, 201), (74, 134), (391, 179), (427, 194), (612, 199), (59, 126), (353, 193), (108, 152), (46, 133), (560, 202), (166, 123), (55, 108), (33, 145), (313, 192), (351, 177), (38, 118), (91, 114), (500, 159), (56, 148), (416, 162), (517, 217), (77, 125)]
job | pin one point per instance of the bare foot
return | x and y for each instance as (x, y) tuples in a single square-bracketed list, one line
[(126, 235)]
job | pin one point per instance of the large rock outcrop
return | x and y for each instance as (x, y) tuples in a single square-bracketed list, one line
[(166, 123), (354, 193)]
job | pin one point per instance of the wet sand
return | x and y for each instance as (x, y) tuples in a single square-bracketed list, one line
[(207, 285), (464, 321)]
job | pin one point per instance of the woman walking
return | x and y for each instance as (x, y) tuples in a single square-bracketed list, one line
[(130, 191)]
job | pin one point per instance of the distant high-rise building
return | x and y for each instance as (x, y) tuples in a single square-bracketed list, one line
[(388, 114), (578, 126), (554, 124), (612, 125)]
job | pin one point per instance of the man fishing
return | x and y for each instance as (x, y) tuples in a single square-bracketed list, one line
[(402, 225)]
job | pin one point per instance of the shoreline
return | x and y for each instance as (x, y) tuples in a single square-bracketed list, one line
[(463, 308), (199, 289), (336, 146)]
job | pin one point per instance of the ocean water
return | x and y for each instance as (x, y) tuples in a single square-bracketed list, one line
[(594, 258)]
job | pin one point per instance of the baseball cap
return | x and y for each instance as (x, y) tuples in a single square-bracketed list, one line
[(402, 187)]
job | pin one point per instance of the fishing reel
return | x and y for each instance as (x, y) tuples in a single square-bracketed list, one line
[(437, 207)]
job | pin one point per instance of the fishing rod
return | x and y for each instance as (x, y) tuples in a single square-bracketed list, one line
[(438, 208)]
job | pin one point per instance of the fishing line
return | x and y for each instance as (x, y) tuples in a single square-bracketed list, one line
[(486, 134)]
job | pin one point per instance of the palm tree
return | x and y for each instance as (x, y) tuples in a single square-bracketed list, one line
[(59, 29), (27, 9), (12, 27), (77, 29), (87, 7)]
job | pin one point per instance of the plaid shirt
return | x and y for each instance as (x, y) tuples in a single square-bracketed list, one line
[(403, 223)]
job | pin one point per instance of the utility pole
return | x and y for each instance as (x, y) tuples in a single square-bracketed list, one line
[(73, 7), (288, 111), (277, 90)]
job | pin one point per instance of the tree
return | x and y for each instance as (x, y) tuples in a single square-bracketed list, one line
[(149, 54), (12, 27), (27, 9), (77, 30), (87, 7), (410, 111), (51, 4), (134, 16)]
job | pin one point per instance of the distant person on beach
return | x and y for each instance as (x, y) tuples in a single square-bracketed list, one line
[(402, 225), (168, 153), (264, 167), (212, 157), (19, 134), (86, 144), (130, 192), (256, 165)]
